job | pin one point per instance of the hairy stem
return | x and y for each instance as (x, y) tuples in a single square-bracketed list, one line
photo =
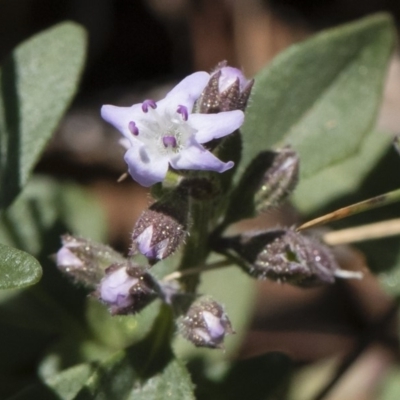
[(196, 249), (197, 270)]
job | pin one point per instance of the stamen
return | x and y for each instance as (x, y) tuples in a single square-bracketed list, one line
[(133, 128), (169, 141), (183, 111), (148, 103)]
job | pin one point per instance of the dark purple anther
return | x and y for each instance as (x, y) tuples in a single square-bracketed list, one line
[(133, 128), (183, 111), (148, 103), (169, 141)]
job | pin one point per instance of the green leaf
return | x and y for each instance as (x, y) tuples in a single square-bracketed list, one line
[(37, 83), (117, 332), (146, 370), (112, 379), (63, 386), (46, 205), (173, 383), (315, 192), (53, 309), (17, 268), (320, 96)]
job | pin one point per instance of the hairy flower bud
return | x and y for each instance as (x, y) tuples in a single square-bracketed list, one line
[(126, 289), (227, 90), (85, 261), (279, 180), (161, 229), (205, 324), (288, 256)]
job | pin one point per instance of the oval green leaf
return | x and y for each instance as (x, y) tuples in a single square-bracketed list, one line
[(17, 268), (37, 83), (321, 96)]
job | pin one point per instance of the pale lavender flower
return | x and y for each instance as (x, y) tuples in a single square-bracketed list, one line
[(166, 132)]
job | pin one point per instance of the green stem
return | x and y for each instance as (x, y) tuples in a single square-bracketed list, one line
[(366, 205), (197, 270), (196, 248)]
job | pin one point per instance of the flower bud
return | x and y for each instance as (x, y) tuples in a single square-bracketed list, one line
[(84, 260), (205, 324), (288, 256), (279, 180), (227, 90), (161, 229), (126, 289)]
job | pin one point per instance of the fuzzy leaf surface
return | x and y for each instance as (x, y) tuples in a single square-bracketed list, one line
[(17, 268), (37, 83), (320, 96)]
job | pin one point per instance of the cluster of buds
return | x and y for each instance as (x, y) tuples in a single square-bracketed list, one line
[(180, 134)]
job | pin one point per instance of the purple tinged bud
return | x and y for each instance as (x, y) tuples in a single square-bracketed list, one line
[(133, 128), (230, 76), (169, 141), (126, 289), (288, 256), (85, 261), (161, 229), (65, 258), (278, 181), (184, 112), (228, 89), (148, 103), (205, 324)]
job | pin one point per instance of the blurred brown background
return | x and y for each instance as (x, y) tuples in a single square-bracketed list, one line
[(139, 49)]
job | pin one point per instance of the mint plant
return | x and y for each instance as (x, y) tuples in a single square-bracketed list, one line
[(219, 148)]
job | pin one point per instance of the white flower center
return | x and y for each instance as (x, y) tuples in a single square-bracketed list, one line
[(167, 133)]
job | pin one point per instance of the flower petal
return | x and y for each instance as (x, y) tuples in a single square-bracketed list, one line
[(121, 116), (214, 126), (185, 93), (146, 168), (196, 157)]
